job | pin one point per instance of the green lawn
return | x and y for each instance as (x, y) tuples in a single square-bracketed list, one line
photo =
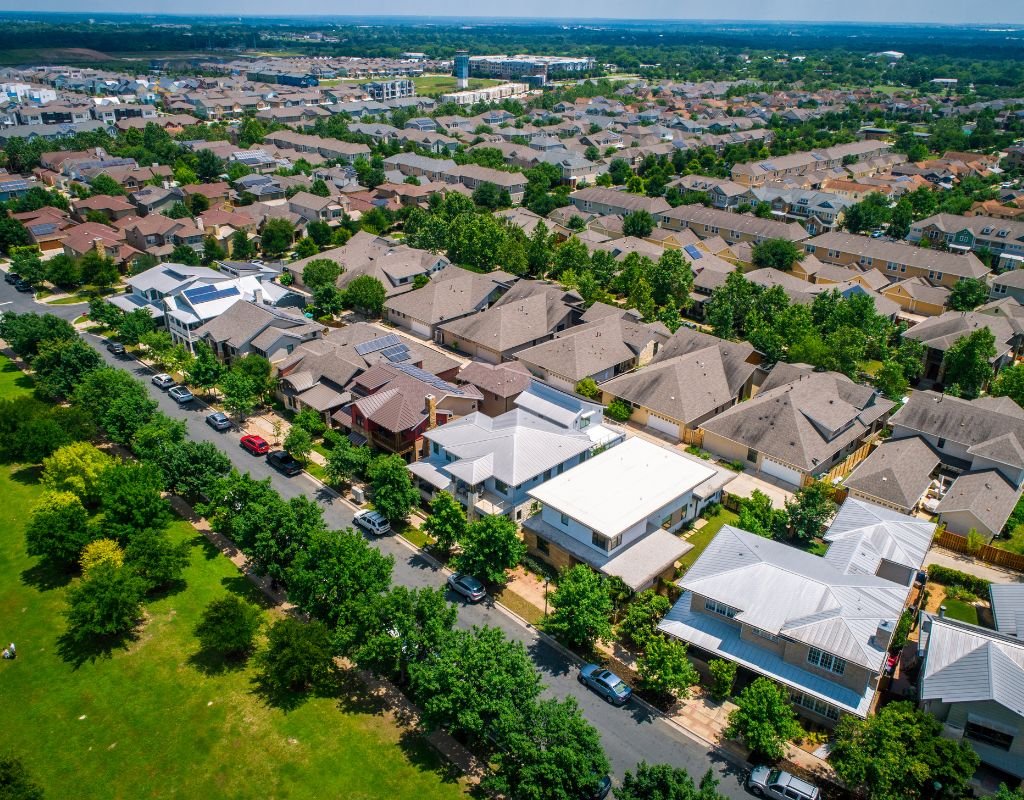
[(958, 609), (13, 382), (158, 720), (871, 367), (702, 538), (439, 84)]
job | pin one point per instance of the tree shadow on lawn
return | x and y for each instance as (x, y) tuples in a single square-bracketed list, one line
[(44, 576), (76, 652), (27, 476), (177, 586), (426, 758), (290, 699), (247, 590), (210, 662)]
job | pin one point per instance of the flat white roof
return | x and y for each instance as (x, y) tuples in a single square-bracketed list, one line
[(623, 485)]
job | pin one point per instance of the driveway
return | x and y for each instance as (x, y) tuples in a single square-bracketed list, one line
[(629, 734), (964, 563)]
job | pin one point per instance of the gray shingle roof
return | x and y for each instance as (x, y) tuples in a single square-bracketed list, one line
[(986, 495), (898, 471), (968, 422)]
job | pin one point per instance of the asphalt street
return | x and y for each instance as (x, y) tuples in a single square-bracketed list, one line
[(630, 734)]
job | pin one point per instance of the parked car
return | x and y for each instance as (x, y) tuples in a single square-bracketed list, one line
[(372, 521), (770, 782), (283, 461), (12, 277), (604, 786), (181, 395), (606, 683), (23, 285), (468, 586), (256, 445), (162, 381), (219, 421), (116, 348)]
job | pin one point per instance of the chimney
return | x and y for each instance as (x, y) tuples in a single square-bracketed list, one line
[(257, 295), (431, 412), (199, 223), (166, 184), (883, 634), (942, 612), (97, 245)]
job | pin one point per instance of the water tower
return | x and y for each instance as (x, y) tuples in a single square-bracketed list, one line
[(461, 70)]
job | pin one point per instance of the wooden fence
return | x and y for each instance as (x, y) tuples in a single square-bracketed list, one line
[(844, 469), (986, 553)]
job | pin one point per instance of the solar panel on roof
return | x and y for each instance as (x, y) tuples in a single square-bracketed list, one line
[(693, 252), (13, 186), (199, 292), (220, 294), (428, 378), (44, 228), (373, 345), (397, 352)]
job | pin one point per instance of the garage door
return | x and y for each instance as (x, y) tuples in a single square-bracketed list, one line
[(662, 425), (420, 328), (780, 471)]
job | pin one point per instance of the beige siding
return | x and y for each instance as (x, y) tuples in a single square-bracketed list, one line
[(854, 677)]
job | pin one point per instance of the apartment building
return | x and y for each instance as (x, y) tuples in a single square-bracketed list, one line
[(778, 168), (733, 228)]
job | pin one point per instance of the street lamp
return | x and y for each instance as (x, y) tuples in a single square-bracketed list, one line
[(546, 582)]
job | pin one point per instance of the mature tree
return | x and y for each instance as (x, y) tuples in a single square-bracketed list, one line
[(98, 269), (105, 185), (671, 279), (723, 678), (446, 523), (100, 551), (15, 781), (189, 467), (13, 234), (239, 392), (298, 443), (131, 499), (77, 468), (280, 531), (209, 166), (105, 604), (581, 608), (61, 364), (871, 213), (134, 325), (891, 381), (399, 628), (335, 573), (242, 247), (471, 680), (1004, 792), (64, 272), (366, 293), (643, 615), (571, 256), (547, 750), (25, 332), (490, 196), (729, 304), (780, 254), (155, 558), (259, 370), (186, 254), (205, 371), (539, 251), (31, 430), (229, 626), (321, 272), (345, 461), (276, 237), (764, 719), (58, 529), (1009, 383), (306, 247), (810, 510), (900, 753), (311, 421), (394, 494), (118, 403), (638, 223), (320, 233), (298, 655), (758, 516), (666, 782), (665, 668), (968, 362), (490, 547), (967, 294)]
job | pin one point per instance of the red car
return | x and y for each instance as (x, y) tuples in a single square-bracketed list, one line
[(256, 445)]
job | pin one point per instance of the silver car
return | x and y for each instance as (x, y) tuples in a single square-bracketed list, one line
[(372, 521), (777, 783), (468, 586), (181, 395), (162, 381), (606, 683)]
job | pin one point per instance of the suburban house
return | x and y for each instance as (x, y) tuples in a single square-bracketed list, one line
[(940, 333), (617, 512), (1008, 284), (473, 175), (972, 679), (820, 626), (1003, 238), (603, 202), (413, 165), (157, 235), (732, 227), (500, 384), (897, 260), (453, 293), (489, 464), (692, 378), (313, 208), (600, 350), (799, 425), (247, 327), (529, 313), (777, 168), (980, 444), (896, 474), (1007, 604), (918, 297)]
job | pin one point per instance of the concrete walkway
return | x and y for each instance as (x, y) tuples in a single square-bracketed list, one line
[(964, 563)]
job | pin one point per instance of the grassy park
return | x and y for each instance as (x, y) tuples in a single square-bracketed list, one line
[(157, 718), (439, 84)]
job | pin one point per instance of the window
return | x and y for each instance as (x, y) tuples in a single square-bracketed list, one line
[(816, 705), (542, 546), (564, 519), (603, 542), (989, 736), (547, 474), (500, 486), (719, 608), (771, 637), (435, 448), (942, 443), (999, 288), (826, 661), (752, 455)]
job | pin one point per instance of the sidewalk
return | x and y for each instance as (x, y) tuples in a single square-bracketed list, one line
[(964, 563)]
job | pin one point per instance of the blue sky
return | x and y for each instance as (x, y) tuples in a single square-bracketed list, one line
[(941, 11)]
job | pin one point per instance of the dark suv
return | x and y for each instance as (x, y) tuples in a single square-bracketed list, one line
[(283, 461)]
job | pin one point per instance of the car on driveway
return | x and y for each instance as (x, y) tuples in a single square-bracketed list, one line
[(162, 381), (606, 683), (181, 395), (468, 586), (12, 277), (372, 521), (116, 348), (256, 445), (285, 462), (23, 285), (219, 421), (777, 783)]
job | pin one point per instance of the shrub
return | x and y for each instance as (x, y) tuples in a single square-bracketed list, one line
[(955, 578), (899, 636), (700, 452), (619, 410), (102, 551), (723, 676)]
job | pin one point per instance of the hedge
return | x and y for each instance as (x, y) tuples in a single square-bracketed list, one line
[(954, 577)]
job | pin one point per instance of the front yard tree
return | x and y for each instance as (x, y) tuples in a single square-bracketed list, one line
[(276, 237), (665, 782), (810, 509), (665, 669), (643, 615), (298, 656), (548, 750), (723, 678), (393, 492), (447, 521), (229, 626), (106, 604), (638, 223), (581, 608), (968, 362), (490, 547), (345, 461), (239, 393), (321, 272), (58, 528), (764, 719), (155, 558), (205, 371), (298, 443), (366, 294)]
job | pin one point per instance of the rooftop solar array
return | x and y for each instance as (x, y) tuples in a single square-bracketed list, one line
[(207, 294), (381, 342), (693, 252), (13, 186), (396, 353), (428, 378), (44, 228)]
